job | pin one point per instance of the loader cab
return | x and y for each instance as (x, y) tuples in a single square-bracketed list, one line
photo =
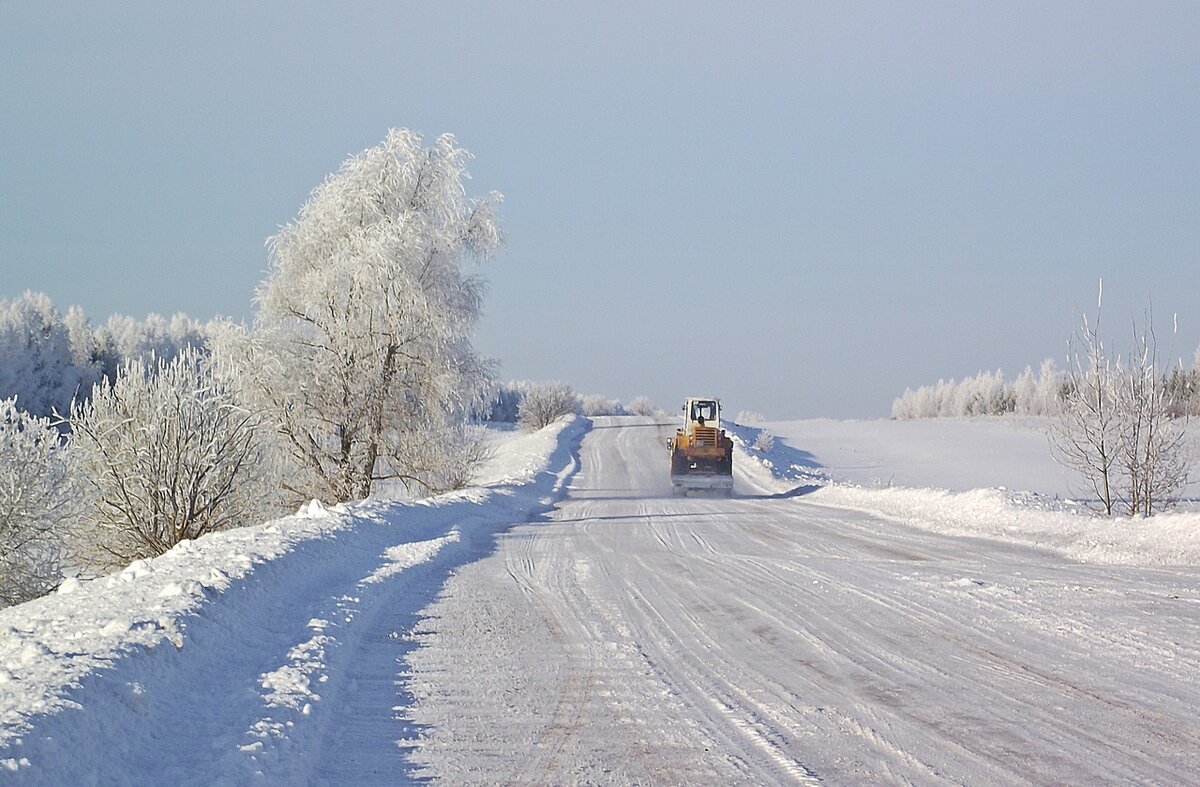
[(707, 409)]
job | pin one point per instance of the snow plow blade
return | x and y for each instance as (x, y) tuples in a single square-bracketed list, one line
[(681, 484)]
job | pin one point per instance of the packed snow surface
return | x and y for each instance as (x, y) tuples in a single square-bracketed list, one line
[(864, 610)]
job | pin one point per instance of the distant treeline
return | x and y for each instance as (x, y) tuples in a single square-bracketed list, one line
[(1041, 393), (47, 358)]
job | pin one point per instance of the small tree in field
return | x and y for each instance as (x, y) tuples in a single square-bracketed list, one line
[(361, 349), (36, 496), (169, 454), (1114, 425), (545, 403), (1086, 434), (1153, 454)]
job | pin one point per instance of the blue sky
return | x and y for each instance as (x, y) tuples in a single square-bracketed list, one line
[(803, 208)]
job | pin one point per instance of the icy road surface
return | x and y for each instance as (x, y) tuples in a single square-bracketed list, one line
[(634, 637)]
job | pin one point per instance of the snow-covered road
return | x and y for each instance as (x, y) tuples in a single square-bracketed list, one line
[(632, 636)]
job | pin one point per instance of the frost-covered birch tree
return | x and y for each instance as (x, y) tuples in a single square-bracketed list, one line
[(36, 498), (1086, 435), (1154, 453), (168, 454), (361, 344)]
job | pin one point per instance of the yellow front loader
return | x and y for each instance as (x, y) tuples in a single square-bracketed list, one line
[(701, 452)]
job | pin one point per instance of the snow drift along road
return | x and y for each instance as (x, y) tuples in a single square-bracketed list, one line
[(268, 650)]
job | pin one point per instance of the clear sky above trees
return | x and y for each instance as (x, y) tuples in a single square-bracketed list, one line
[(827, 202)]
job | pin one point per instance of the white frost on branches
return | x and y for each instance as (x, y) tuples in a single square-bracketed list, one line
[(36, 498), (361, 348), (544, 403), (1115, 428), (169, 454), (47, 359), (987, 393)]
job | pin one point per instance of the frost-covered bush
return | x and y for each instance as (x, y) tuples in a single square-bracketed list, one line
[(764, 442), (168, 454), (749, 417), (361, 346), (642, 405), (467, 450), (36, 499), (544, 403), (597, 404)]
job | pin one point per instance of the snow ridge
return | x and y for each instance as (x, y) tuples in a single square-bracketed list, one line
[(83, 672)]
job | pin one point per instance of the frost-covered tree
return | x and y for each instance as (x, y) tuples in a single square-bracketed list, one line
[(36, 363), (1153, 454), (598, 404), (169, 454), (361, 344), (1087, 433), (36, 499), (1183, 386), (129, 339), (48, 359), (1114, 427), (987, 393), (545, 403), (641, 405), (504, 403)]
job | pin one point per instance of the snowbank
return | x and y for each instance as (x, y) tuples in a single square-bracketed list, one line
[(50, 646), (990, 478)]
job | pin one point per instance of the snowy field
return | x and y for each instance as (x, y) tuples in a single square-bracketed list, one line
[(881, 602), (992, 477)]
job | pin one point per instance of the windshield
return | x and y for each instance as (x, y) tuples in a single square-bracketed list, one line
[(704, 409)]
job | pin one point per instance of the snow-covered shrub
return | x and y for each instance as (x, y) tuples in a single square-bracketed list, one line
[(598, 404), (642, 405), (466, 451), (36, 499), (361, 347), (168, 454), (544, 403), (749, 417), (764, 442)]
